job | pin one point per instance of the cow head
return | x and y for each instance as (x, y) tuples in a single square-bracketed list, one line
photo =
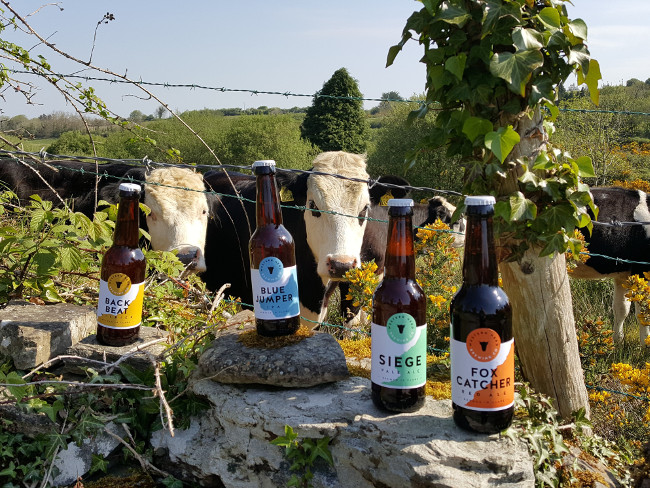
[(179, 214), (334, 234), (441, 209)]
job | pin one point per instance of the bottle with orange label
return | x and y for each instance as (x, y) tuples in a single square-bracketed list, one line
[(121, 284), (481, 343)]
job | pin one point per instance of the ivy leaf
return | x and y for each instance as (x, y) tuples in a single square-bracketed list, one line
[(516, 67), (453, 12), (18, 392), (501, 142), (590, 78), (579, 56), (456, 65), (585, 167), (578, 28), (137, 376), (550, 17), (556, 244), (527, 39), (322, 450), (521, 208), (476, 126)]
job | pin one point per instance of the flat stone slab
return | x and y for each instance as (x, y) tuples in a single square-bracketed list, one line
[(32, 334), (231, 442), (140, 351), (311, 361)]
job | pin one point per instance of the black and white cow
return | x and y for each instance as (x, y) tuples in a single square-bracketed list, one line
[(626, 242), (328, 242), (178, 218)]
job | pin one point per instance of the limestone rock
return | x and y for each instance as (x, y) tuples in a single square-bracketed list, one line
[(314, 360), (89, 348), (231, 441), (76, 461), (32, 334)]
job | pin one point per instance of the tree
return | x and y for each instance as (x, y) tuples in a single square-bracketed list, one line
[(336, 121), (492, 65), (394, 147)]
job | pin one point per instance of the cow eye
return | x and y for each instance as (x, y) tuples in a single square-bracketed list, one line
[(362, 215), (312, 206)]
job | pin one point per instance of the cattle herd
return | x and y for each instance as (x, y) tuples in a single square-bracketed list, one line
[(208, 219)]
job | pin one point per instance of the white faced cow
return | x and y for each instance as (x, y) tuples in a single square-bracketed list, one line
[(625, 242), (178, 219), (327, 234)]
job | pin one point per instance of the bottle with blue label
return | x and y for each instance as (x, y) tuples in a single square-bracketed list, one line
[(399, 332), (273, 261)]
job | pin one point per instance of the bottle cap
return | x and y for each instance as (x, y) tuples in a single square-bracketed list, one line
[(129, 189), (400, 202), (264, 162), (480, 200)]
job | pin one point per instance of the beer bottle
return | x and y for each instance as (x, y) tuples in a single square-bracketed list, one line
[(273, 261), (398, 330), (482, 347), (121, 285)]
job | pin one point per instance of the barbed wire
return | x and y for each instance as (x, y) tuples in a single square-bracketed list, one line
[(146, 163), (286, 94)]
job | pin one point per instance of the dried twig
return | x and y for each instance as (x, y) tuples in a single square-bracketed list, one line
[(146, 465)]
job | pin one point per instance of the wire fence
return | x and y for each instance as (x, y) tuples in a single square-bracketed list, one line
[(52, 159), (286, 94)]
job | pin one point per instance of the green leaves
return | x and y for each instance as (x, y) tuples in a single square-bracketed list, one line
[(492, 66), (303, 454), (516, 68), (501, 142)]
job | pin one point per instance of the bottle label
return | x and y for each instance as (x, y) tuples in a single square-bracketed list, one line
[(120, 302), (399, 353), (275, 290), (483, 371)]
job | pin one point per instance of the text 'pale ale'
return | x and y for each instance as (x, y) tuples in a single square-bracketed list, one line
[(121, 285), (273, 261), (482, 347), (399, 332)]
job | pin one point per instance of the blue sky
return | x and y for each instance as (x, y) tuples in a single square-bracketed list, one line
[(284, 46)]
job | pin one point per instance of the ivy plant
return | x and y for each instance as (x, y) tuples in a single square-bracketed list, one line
[(493, 66)]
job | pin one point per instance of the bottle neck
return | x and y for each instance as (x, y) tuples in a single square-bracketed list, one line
[(128, 222), (400, 255), (480, 265), (268, 203)]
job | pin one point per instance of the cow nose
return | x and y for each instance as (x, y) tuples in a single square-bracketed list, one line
[(338, 266), (192, 257)]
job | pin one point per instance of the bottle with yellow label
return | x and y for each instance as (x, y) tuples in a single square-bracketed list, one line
[(121, 285), (481, 344)]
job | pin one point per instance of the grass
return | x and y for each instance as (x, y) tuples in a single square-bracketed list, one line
[(32, 145)]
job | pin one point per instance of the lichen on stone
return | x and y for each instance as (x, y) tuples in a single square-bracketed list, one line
[(252, 339)]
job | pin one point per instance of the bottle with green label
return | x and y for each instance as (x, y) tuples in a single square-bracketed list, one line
[(274, 275), (399, 331), (482, 348), (121, 284)]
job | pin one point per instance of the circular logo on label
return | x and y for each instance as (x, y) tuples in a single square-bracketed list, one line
[(271, 269), (401, 328), (119, 284), (483, 344)]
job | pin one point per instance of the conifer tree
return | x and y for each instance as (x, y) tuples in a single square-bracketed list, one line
[(336, 121)]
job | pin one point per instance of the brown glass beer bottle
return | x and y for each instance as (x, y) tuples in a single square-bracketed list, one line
[(273, 261), (121, 285), (399, 332), (482, 347)]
